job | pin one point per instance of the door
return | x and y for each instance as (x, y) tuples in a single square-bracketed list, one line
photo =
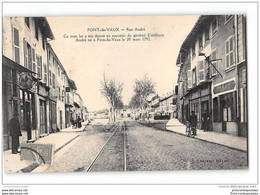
[(61, 119), (28, 120), (43, 126)]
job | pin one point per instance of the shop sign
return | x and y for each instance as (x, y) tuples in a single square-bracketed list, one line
[(224, 87), (42, 91), (39, 153), (25, 81)]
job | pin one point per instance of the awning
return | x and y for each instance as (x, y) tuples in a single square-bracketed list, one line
[(11, 64)]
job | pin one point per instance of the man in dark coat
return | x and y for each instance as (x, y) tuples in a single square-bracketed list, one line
[(193, 121), (15, 132), (205, 121), (79, 122)]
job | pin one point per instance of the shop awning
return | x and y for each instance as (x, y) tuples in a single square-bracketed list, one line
[(11, 64)]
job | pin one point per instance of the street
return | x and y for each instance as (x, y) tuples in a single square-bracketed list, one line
[(131, 146)]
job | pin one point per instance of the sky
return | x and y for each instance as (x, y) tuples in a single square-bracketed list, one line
[(123, 61)]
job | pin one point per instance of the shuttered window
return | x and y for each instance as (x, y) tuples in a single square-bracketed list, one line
[(229, 50), (189, 79), (16, 45), (45, 73), (33, 61), (201, 71), (39, 66)]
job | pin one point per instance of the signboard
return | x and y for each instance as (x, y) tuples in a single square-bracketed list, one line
[(224, 87), (25, 81), (42, 91), (39, 153)]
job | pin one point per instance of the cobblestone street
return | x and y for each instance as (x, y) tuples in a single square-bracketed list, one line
[(151, 149), (147, 149)]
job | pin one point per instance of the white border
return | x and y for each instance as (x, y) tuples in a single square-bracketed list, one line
[(174, 177)]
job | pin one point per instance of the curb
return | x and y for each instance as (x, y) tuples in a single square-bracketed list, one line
[(33, 166), (208, 141), (238, 149)]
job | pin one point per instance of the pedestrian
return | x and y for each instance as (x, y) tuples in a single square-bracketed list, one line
[(15, 132), (193, 122), (205, 121), (79, 122)]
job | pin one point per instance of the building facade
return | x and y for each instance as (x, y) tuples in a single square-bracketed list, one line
[(212, 76), (31, 77)]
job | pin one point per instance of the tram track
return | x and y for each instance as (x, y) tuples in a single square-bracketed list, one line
[(112, 155)]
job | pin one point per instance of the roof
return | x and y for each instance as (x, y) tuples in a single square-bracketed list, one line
[(165, 98), (43, 24), (198, 28)]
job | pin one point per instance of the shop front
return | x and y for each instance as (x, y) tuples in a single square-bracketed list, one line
[(52, 111), (224, 97), (43, 93), (18, 96), (242, 100), (198, 100)]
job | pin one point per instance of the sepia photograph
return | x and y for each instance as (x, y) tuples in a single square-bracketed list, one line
[(124, 93)]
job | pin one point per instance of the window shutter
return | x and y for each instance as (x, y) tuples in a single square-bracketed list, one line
[(25, 54), (189, 79)]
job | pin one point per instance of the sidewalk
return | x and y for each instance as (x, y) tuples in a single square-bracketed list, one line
[(231, 141), (13, 164)]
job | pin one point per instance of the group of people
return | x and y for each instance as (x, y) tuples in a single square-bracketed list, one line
[(76, 123), (205, 121)]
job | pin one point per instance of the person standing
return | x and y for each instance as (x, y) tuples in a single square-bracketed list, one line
[(205, 121), (15, 132), (193, 122), (79, 122)]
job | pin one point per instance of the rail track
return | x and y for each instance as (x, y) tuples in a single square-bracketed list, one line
[(112, 155)]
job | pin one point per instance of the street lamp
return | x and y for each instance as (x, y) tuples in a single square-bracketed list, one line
[(210, 62)]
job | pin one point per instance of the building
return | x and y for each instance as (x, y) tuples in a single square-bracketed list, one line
[(25, 82), (212, 76), (34, 82)]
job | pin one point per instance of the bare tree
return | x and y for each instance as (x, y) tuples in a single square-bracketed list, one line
[(112, 91), (142, 90)]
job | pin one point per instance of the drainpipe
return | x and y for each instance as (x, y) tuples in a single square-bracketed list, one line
[(236, 69)]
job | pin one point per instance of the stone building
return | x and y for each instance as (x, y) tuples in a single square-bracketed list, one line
[(212, 77)]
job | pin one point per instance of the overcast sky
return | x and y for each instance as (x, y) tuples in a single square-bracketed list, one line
[(122, 61)]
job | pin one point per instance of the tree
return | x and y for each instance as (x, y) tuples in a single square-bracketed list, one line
[(112, 91), (142, 90)]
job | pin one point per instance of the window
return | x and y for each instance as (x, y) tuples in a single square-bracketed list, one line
[(44, 73), (50, 80), (200, 42), (29, 52), (59, 93), (215, 63), (25, 52), (39, 66), (207, 38), (215, 110), (214, 26), (43, 43), (227, 17), (194, 76), (36, 32), (27, 21), (53, 80), (59, 71), (16, 45), (33, 61), (189, 79), (201, 72), (193, 51), (229, 50)]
